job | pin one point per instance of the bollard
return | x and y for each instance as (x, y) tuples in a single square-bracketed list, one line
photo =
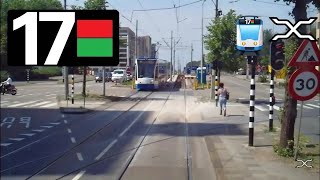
[(72, 90), (28, 76)]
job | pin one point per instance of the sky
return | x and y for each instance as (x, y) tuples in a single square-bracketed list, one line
[(159, 24)]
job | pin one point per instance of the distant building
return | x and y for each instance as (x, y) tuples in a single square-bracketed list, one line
[(153, 50), (144, 46)]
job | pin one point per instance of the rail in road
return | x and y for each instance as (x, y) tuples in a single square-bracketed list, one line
[(179, 83)]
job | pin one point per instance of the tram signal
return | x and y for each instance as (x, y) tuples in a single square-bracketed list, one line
[(277, 55)]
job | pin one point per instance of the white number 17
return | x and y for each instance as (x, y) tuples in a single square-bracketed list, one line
[(30, 20)]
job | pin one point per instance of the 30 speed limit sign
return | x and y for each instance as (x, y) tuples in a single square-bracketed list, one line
[(304, 84)]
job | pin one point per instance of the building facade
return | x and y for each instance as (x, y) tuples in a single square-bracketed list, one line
[(153, 50), (144, 46), (126, 51)]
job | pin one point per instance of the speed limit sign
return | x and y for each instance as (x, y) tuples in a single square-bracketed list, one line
[(304, 84)]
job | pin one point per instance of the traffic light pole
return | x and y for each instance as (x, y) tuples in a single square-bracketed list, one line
[(252, 60), (271, 100)]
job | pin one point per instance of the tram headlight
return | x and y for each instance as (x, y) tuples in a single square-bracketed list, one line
[(243, 43), (255, 43)]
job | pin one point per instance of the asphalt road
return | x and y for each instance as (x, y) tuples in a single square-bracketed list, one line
[(35, 109)]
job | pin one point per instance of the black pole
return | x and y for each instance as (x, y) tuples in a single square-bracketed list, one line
[(216, 85), (270, 100), (253, 61)]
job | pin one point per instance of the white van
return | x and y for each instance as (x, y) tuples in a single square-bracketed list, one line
[(119, 75)]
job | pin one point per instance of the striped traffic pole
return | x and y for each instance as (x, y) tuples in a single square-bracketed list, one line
[(28, 75), (72, 89), (216, 87), (271, 100), (252, 60)]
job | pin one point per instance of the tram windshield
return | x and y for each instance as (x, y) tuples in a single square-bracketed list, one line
[(146, 69)]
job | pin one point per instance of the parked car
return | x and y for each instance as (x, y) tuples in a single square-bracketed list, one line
[(119, 75), (129, 76), (107, 77)]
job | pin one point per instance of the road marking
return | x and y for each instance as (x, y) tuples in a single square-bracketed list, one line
[(316, 100), (79, 155), (62, 115), (69, 130), (275, 107), (313, 105), (134, 121), (38, 104), (16, 139), (51, 98), (4, 102), (38, 130), (106, 149), (49, 105), (306, 107), (261, 108), (47, 126), (21, 104), (5, 144), (51, 94), (29, 134), (79, 175), (57, 123), (73, 140), (65, 121)]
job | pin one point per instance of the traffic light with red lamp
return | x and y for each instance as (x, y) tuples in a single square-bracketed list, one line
[(277, 55)]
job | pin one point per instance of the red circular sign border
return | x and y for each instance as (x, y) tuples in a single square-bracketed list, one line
[(293, 77)]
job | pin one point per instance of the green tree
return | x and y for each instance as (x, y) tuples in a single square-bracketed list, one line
[(265, 52), (221, 41), (299, 12), (95, 4)]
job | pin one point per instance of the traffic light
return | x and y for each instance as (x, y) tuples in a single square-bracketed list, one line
[(214, 64), (277, 55)]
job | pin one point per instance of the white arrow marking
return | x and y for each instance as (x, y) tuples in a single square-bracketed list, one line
[(55, 123), (313, 105), (16, 139), (29, 134), (38, 130), (5, 144), (46, 126)]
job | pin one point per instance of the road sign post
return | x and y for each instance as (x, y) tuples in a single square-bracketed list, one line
[(304, 83)]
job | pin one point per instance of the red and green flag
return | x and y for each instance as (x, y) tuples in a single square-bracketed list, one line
[(94, 38)]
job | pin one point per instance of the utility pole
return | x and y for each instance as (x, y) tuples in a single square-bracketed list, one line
[(136, 41), (171, 57), (214, 82), (65, 68), (174, 56), (201, 78), (191, 58)]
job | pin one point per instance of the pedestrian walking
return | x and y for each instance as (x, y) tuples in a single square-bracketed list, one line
[(223, 94)]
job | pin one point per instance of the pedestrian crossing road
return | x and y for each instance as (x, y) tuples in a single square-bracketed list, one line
[(29, 104)]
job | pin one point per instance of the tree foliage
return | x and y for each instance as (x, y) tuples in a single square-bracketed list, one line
[(265, 52), (221, 41), (95, 4)]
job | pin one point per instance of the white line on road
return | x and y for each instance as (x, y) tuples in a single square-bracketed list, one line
[(275, 107), (62, 115), (73, 140), (306, 107), (261, 108), (16, 139), (79, 175), (57, 123), (4, 102), (134, 121), (46, 126), (69, 130), (106, 149), (38, 130), (313, 105), (49, 105), (28, 134), (21, 104), (79, 155), (51, 94), (65, 121), (29, 94), (5, 144), (38, 104)]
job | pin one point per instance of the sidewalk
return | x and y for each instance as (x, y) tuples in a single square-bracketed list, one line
[(276, 81), (227, 143)]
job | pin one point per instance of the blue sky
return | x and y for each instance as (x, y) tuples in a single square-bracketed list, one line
[(159, 24)]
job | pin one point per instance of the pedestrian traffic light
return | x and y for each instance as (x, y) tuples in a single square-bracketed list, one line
[(277, 55)]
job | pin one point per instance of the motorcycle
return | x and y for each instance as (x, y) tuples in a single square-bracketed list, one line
[(11, 90)]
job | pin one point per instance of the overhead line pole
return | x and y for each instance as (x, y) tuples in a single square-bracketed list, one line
[(201, 78), (171, 57), (65, 68)]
